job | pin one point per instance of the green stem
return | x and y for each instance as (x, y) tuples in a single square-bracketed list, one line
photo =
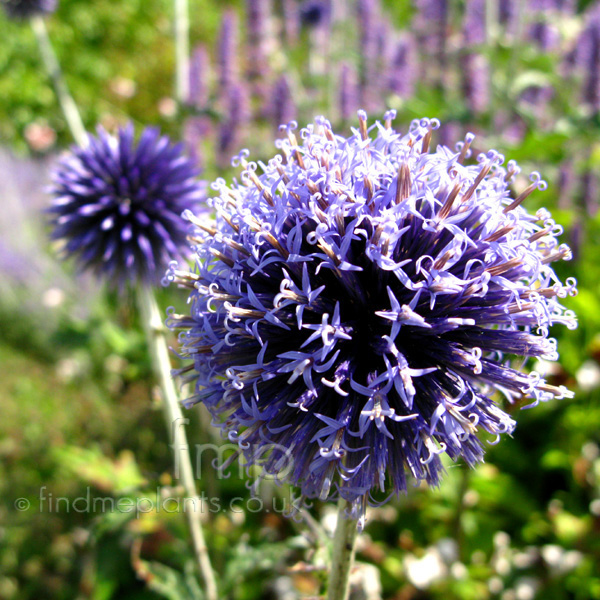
[(182, 51), (343, 554), (155, 330), (65, 99)]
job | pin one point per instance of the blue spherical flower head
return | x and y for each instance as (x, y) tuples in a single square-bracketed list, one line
[(23, 9), (314, 13), (117, 204), (356, 305)]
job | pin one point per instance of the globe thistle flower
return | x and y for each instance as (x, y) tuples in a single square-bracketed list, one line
[(117, 204), (315, 13), (23, 9), (355, 307)]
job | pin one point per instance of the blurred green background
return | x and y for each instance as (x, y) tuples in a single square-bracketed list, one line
[(79, 415)]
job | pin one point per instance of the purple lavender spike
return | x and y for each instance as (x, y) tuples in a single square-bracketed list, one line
[(507, 10), (508, 15), (283, 109), (403, 69), (258, 27), (576, 238), (474, 66), (578, 56), (199, 75), (565, 185), (195, 131), (431, 25), (196, 128), (475, 73), (348, 95), (368, 16), (291, 21), (227, 52), (591, 63), (551, 5), (589, 192), (233, 127), (474, 25), (384, 36), (544, 33), (545, 14)]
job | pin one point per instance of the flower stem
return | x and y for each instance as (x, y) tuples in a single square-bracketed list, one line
[(343, 553), (65, 99), (182, 51), (155, 331)]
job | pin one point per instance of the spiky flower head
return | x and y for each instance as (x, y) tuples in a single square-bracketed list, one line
[(314, 13), (356, 306), (23, 9), (117, 204)]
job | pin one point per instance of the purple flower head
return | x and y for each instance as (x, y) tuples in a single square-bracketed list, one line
[(23, 9), (315, 13), (117, 204), (355, 307)]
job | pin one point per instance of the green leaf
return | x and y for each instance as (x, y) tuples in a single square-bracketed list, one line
[(91, 466), (168, 582)]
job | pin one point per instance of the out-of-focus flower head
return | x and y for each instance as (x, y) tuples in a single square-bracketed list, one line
[(117, 204), (356, 304), (314, 13), (23, 9)]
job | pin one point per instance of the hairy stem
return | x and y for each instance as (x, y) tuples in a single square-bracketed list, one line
[(155, 330), (182, 51), (343, 554), (65, 99)]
